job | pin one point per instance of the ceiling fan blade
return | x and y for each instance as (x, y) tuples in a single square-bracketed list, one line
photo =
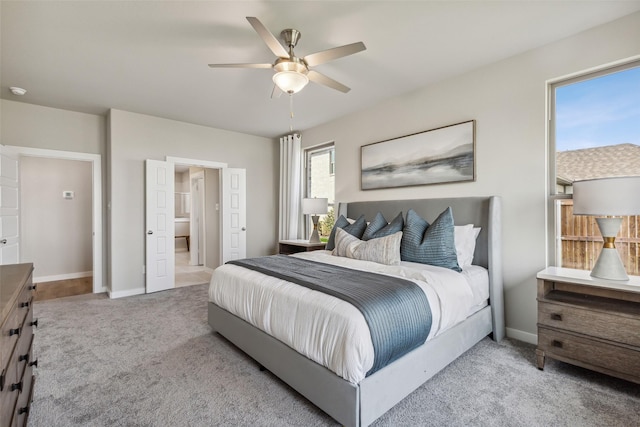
[(316, 77), (276, 92), (241, 65), (330, 54), (270, 40)]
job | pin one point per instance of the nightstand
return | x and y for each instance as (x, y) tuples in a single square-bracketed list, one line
[(287, 247), (589, 322)]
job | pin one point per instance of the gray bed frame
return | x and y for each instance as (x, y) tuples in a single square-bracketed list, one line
[(361, 404)]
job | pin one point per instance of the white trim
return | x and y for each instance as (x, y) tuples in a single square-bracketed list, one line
[(96, 163), (194, 162), (519, 335), (57, 277), (126, 293)]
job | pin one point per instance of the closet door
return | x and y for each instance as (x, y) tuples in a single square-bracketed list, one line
[(9, 207)]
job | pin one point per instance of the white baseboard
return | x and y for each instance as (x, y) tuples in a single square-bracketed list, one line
[(127, 293), (519, 335), (57, 277)]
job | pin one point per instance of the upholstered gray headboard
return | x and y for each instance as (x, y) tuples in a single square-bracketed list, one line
[(485, 212)]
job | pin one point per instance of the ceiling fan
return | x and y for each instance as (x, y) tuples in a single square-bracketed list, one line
[(293, 73)]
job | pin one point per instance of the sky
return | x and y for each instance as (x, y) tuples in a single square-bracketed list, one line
[(598, 112)]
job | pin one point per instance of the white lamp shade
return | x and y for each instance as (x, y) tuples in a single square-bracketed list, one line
[(618, 196), (290, 81), (316, 205)]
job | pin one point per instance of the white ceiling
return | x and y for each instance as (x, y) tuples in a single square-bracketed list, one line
[(151, 56)]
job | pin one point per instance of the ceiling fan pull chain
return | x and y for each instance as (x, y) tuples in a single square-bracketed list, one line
[(291, 112)]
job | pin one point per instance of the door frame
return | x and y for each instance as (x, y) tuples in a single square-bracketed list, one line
[(206, 164), (96, 198)]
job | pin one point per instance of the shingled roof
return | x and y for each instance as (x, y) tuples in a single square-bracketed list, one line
[(588, 163)]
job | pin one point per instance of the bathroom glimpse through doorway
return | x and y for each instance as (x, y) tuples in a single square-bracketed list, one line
[(197, 223)]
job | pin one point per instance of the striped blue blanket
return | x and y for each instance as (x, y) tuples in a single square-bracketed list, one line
[(396, 310)]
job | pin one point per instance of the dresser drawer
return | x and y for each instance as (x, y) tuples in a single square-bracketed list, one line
[(21, 410), (609, 326), (9, 397), (10, 334), (592, 354), (26, 334)]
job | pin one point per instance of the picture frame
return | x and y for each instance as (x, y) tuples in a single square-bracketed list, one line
[(436, 156)]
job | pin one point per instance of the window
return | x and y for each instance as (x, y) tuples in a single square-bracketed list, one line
[(594, 133), (320, 182)]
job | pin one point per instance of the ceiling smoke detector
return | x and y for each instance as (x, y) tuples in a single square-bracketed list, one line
[(17, 90)]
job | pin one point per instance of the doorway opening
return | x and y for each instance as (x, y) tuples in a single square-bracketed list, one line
[(86, 186), (197, 223)]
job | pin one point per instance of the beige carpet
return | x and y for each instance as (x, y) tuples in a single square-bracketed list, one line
[(151, 360)]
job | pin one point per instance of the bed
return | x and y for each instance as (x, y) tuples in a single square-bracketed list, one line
[(361, 403)]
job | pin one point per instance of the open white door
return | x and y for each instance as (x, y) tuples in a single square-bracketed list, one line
[(234, 214), (9, 207), (160, 252)]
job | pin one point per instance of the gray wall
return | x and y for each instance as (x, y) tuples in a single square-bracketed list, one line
[(56, 232), (34, 126), (508, 100), (136, 137)]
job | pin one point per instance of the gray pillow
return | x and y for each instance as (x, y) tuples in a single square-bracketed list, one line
[(430, 244), (379, 227), (384, 250), (355, 229)]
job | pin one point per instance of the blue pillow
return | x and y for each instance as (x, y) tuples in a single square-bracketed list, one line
[(356, 229), (380, 228), (430, 244)]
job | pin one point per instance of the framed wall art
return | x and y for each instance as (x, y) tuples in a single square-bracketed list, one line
[(435, 156)]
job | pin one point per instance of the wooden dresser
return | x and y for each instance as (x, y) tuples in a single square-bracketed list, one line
[(589, 322), (16, 342)]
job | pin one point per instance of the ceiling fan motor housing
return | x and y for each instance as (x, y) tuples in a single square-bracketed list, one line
[(290, 64)]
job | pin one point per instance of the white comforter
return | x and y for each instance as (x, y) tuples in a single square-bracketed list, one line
[(328, 330)]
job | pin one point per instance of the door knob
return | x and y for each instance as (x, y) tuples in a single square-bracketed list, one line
[(149, 232), (3, 241), (243, 228)]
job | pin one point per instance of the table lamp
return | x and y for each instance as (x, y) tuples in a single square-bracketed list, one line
[(613, 198), (315, 206)]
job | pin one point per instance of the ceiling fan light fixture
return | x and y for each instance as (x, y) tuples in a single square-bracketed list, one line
[(290, 81)]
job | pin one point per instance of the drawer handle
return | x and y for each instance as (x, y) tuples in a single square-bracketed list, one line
[(24, 410), (16, 386), (13, 332), (2, 378), (556, 343), (556, 316), (34, 363), (34, 323), (23, 357), (24, 304)]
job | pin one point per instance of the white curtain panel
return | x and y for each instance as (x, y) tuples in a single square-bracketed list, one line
[(290, 186)]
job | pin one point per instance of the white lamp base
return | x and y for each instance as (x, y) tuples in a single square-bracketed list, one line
[(315, 237), (609, 265)]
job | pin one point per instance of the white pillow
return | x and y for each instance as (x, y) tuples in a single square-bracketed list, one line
[(383, 250), (465, 240)]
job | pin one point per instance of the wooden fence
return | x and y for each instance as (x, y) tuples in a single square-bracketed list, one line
[(582, 241)]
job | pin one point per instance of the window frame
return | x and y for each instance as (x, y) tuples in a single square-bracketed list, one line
[(554, 243), (308, 152)]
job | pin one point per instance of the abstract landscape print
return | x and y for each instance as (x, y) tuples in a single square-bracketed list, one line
[(435, 156)]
